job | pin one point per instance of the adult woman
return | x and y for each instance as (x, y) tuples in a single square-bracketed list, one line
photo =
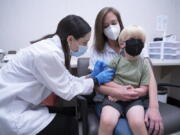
[(39, 70), (107, 28)]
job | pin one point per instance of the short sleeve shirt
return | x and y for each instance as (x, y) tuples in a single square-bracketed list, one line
[(107, 55), (130, 72)]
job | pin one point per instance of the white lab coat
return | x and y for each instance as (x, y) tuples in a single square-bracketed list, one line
[(25, 81)]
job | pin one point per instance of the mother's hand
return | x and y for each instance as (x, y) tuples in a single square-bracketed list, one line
[(120, 92), (153, 120), (126, 95)]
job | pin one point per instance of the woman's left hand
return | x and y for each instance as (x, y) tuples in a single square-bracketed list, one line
[(153, 120)]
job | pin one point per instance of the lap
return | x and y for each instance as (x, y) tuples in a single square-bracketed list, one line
[(122, 107), (122, 127)]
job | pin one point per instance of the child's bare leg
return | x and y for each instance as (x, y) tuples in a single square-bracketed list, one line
[(108, 120), (135, 116)]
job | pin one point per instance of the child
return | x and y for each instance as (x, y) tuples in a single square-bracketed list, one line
[(132, 71)]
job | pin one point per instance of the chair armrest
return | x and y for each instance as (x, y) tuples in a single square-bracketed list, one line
[(69, 111), (83, 110), (168, 85)]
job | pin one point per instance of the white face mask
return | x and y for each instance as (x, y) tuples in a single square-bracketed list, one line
[(112, 31)]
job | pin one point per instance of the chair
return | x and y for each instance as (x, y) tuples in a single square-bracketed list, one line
[(90, 122)]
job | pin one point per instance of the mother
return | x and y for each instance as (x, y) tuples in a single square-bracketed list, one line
[(107, 28)]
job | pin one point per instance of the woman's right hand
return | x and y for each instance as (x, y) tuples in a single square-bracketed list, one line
[(99, 67), (105, 76)]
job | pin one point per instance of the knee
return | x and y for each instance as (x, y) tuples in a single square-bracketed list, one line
[(107, 123), (136, 123)]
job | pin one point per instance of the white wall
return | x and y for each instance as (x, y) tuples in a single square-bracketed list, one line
[(175, 92), (24, 20), (177, 19)]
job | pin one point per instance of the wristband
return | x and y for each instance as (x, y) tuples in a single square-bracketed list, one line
[(96, 82)]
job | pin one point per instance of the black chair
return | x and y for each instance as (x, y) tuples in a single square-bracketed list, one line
[(90, 122)]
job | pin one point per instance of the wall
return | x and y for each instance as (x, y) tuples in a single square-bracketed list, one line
[(175, 72), (177, 19), (26, 20)]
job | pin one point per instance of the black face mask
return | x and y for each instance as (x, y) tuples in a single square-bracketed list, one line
[(134, 46)]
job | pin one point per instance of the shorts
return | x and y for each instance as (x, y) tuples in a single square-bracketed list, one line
[(122, 106)]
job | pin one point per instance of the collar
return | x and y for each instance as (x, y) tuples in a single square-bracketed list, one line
[(109, 49), (56, 40)]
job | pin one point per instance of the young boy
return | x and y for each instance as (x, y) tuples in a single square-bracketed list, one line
[(132, 71)]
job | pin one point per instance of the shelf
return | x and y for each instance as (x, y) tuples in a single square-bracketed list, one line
[(165, 62)]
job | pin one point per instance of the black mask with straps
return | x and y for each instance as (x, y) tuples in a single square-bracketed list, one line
[(134, 46)]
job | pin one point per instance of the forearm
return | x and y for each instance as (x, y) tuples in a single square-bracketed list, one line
[(153, 100), (112, 84), (142, 90), (118, 93), (107, 90)]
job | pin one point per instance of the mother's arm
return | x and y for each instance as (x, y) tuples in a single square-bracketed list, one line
[(153, 118), (118, 91)]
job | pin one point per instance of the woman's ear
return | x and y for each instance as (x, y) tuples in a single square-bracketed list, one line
[(70, 39)]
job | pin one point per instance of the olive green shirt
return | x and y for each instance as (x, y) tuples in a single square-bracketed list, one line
[(130, 72)]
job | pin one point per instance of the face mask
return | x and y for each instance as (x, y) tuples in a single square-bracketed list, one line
[(134, 46), (82, 49), (112, 31)]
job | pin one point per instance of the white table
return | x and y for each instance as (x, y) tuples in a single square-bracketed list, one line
[(165, 62)]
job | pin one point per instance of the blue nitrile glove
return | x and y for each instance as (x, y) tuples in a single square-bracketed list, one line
[(99, 67), (105, 76)]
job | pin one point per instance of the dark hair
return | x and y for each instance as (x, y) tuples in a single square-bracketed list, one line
[(70, 25), (99, 37)]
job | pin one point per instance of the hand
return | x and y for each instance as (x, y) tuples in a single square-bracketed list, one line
[(129, 87), (153, 120), (105, 76), (99, 67), (113, 99), (125, 94)]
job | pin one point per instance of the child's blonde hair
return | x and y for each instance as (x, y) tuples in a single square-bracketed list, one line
[(133, 31)]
